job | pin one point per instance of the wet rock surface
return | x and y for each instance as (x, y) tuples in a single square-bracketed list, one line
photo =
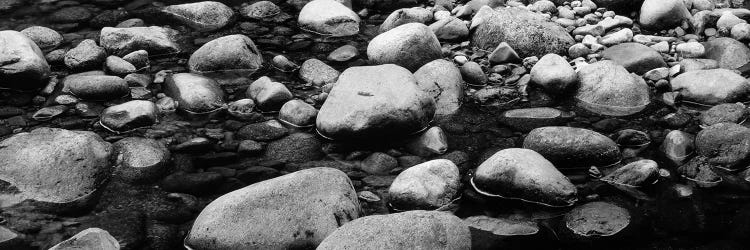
[(389, 124)]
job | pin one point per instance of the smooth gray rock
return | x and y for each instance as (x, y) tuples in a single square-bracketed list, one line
[(523, 174), (711, 86), (410, 46), (407, 230), (47, 39), (194, 93), (569, 147), (60, 169), (201, 16), (375, 102), (129, 116), (155, 40), (329, 18), (635, 57), (227, 53), (606, 88), (526, 32), (96, 87), (23, 64), (442, 80), (141, 160), (428, 185), (294, 210)]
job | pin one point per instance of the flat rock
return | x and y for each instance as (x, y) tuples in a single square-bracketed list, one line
[(606, 88), (201, 16), (635, 57)]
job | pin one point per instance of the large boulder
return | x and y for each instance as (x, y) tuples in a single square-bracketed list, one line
[(195, 93), (569, 147), (442, 80), (328, 17), (375, 102), (712, 86), (663, 14), (23, 64), (635, 57), (410, 46), (201, 16), (407, 230), (429, 185), (606, 88), (227, 53), (297, 210), (730, 53), (60, 169), (523, 174), (155, 40), (528, 33)]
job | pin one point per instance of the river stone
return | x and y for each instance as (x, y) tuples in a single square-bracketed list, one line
[(428, 185), (554, 74), (343, 53), (523, 174), (23, 64), (663, 14), (155, 40), (260, 10), (194, 93), (57, 167), (47, 39), (404, 16), (634, 174), (268, 95), (85, 56), (328, 18), (527, 119), (528, 33), (227, 53), (502, 226), (201, 16), (141, 160), (711, 86), (442, 80), (96, 87), (730, 53), (725, 112), (407, 230), (724, 144), (691, 64), (678, 146), (295, 148), (635, 57), (298, 113), (295, 210), (91, 238), (410, 46), (606, 88), (573, 147), (130, 115), (317, 72), (375, 102), (429, 143), (597, 219), (118, 66)]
